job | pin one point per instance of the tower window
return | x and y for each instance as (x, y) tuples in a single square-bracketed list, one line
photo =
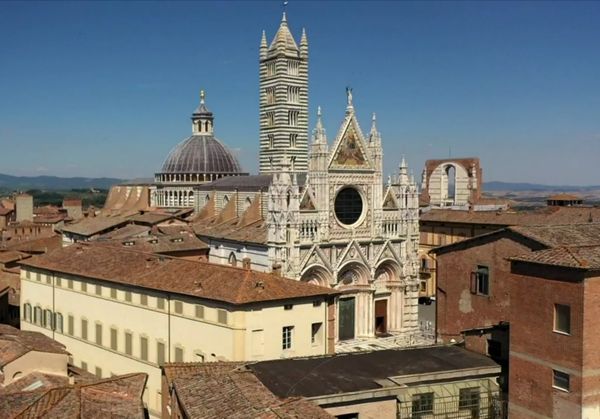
[(293, 67), (293, 94), (293, 118), (271, 68), (293, 138), (270, 118), (271, 140), (270, 91)]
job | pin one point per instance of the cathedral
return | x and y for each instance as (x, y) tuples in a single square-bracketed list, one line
[(319, 211)]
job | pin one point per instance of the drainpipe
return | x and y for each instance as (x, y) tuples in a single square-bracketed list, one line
[(169, 327)]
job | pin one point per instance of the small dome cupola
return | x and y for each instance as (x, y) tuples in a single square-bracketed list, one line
[(202, 118)]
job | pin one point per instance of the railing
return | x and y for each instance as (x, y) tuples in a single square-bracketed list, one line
[(485, 406), (393, 227), (309, 229)]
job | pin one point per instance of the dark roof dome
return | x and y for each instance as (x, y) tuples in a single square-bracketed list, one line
[(201, 154)]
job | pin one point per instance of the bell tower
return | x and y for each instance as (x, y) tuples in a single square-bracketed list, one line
[(283, 101)]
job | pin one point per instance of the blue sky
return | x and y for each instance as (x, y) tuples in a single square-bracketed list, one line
[(107, 88)]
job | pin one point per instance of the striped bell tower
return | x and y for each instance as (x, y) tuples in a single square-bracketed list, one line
[(283, 101)]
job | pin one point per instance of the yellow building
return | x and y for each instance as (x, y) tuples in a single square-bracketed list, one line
[(118, 311)]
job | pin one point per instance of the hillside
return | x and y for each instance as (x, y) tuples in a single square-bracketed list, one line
[(22, 183)]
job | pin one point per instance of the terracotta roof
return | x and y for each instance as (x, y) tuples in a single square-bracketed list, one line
[(546, 215), (228, 390), (15, 343), (94, 225), (163, 244), (48, 210), (169, 274), (49, 218), (125, 232), (116, 397), (151, 218), (5, 211), (71, 202), (9, 256), (580, 257), (255, 232), (35, 245)]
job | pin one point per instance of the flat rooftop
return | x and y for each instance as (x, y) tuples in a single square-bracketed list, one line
[(343, 373)]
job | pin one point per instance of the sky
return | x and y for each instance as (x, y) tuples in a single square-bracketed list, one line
[(107, 88)]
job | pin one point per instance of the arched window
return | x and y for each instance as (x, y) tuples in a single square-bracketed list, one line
[(288, 198), (207, 199), (27, 312), (37, 315), (48, 319), (225, 200), (450, 182), (232, 259), (58, 322), (247, 203)]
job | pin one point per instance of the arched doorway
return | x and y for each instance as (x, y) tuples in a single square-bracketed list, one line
[(317, 275), (349, 306)]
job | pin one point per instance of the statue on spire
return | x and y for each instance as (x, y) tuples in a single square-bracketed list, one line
[(349, 95)]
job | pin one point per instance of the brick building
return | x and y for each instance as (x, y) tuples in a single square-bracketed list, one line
[(522, 295)]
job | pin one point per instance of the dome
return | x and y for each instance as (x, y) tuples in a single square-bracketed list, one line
[(201, 154)]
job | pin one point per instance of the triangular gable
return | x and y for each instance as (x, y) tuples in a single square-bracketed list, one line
[(350, 150), (386, 252), (307, 203), (389, 201), (316, 257), (352, 252)]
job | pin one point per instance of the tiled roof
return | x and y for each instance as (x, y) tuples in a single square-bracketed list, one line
[(546, 215), (94, 225), (9, 256), (164, 273), (34, 245), (5, 211), (562, 235), (163, 244), (15, 343), (241, 183), (255, 232), (580, 257), (126, 232), (228, 390), (151, 218), (116, 397)]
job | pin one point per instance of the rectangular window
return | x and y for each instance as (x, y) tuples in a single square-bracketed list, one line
[(222, 316), (144, 348), (98, 372), (480, 281), (113, 293), (98, 334), (160, 303), (160, 353), (271, 68), (468, 398), (422, 404), (293, 118), (293, 140), (28, 274), (59, 282), (316, 334), (48, 279), (293, 94), (178, 307), (128, 296), (84, 287), (38, 276), (98, 289), (84, 366), (128, 343), (113, 339), (286, 342), (562, 318), (199, 311), (270, 118), (560, 380), (144, 299), (71, 325), (293, 67), (84, 329), (270, 91), (178, 354), (70, 284), (271, 138)]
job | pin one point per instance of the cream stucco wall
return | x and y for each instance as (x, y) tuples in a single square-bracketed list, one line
[(34, 361), (379, 409), (221, 332)]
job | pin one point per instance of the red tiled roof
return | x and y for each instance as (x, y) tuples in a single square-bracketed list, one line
[(580, 257), (163, 244), (15, 343), (9, 256), (164, 273), (229, 390), (94, 225), (34, 245)]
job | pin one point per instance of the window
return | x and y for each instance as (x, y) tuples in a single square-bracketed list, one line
[(84, 366), (160, 303), (560, 380), (270, 118), (58, 322), (178, 354), (468, 398), (113, 339), (84, 287), (271, 68), (28, 274), (178, 307), (562, 318), (38, 276), (232, 259), (286, 342), (199, 311), (271, 138), (288, 306), (160, 353), (84, 329), (98, 334), (270, 91), (293, 67), (59, 282), (98, 372), (48, 319), (144, 299), (144, 348), (293, 140), (128, 296), (480, 281), (316, 333), (422, 404), (37, 315), (222, 316), (98, 289), (293, 94), (27, 312), (70, 325), (128, 343), (48, 279), (70, 284), (317, 303), (348, 205), (293, 118), (113, 293)]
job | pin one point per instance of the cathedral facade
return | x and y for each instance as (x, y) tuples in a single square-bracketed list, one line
[(319, 212)]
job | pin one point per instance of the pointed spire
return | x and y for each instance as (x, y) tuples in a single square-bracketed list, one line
[(350, 106), (402, 173), (319, 131), (202, 95), (403, 163), (263, 39), (284, 18), (374, 136), (303, 39), (304, 44)]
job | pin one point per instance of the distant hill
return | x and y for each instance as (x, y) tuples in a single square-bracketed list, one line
[(54, 182), (516, 187)]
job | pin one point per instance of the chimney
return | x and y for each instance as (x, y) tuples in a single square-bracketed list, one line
[(246, 263)]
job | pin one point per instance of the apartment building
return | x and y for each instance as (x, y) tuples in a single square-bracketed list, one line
[(120, 311)]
